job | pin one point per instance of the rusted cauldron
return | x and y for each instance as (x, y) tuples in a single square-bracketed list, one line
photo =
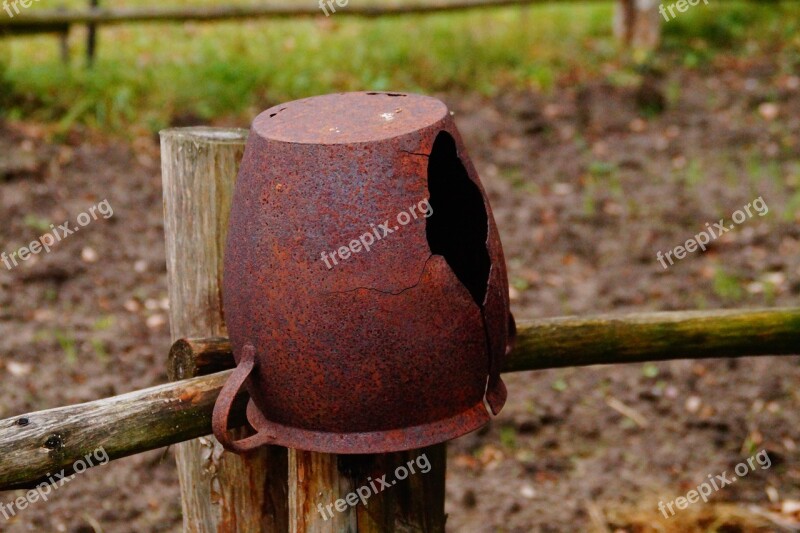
[(365, 289)]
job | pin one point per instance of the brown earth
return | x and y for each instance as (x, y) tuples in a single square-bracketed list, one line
[(586, 185)]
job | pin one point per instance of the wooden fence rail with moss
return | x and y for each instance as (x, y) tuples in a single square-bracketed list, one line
[(634, 22), (36, 444), (212, 13)]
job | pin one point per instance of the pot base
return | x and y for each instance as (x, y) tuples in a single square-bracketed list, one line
[(396, 440)]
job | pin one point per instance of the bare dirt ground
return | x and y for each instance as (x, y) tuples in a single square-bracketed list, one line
[(586, 186)]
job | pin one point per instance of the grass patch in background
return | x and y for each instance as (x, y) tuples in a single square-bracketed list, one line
[(212, 70), (149, 75)]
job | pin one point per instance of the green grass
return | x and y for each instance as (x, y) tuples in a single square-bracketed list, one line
[(727, 286), (147, 75)]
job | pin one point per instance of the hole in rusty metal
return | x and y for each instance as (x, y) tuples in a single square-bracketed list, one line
[(385, 94), (459, 226), (23, 422)]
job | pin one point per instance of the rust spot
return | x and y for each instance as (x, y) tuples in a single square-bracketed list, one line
[(192, 396)]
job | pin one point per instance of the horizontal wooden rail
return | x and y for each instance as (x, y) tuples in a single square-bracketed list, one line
[(636, 338), (29, 29), (37, 445), (56, 18), (50, 17), (41, 443)]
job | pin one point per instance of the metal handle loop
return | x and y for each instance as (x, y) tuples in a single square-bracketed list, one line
[(222, 409)]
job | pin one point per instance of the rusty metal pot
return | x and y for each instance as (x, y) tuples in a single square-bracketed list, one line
[(365, 289)]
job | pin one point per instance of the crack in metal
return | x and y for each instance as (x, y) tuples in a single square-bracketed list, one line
[(415, 153), (401, 291)]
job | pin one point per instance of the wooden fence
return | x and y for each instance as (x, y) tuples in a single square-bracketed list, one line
[(636, 22), (274, 489), (181, 410)]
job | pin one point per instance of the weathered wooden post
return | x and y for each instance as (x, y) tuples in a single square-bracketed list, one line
[(220, 491), (369, 367), (637, 23), (63, 40), (415, 505), (91, 36)]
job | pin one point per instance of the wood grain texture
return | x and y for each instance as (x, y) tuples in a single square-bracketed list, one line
[(414, 504), (220, 491), (41, 443), (614, 339), (199, 357), (149, 419), (314, 478)]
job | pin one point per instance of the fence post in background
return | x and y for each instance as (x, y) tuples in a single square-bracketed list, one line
[(91, 37), (63, 40), (220, 491), (637, 23)]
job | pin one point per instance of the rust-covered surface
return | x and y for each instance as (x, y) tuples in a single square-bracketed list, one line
[(370, 350)]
